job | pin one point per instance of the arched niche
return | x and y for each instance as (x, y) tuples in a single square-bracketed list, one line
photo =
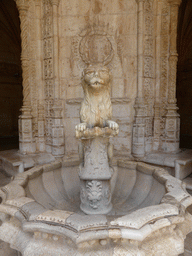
[(184, 73), (10, 74)]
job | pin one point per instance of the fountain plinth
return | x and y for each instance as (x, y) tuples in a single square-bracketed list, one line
[(94, 131), (95, 172)]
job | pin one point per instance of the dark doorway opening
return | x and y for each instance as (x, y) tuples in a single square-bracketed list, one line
[(10, 74), (184, 73)]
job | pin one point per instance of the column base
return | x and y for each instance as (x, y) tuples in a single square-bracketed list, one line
[(27, 147), (169, 145)]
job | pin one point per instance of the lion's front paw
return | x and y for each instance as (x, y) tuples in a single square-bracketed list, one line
[(81, 127), (113, 125)]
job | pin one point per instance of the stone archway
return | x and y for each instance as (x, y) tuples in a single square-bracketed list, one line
[(184, 74), (10, 74)]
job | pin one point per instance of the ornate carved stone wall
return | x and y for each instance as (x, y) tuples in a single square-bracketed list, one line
[(136, 39), (160, 117)]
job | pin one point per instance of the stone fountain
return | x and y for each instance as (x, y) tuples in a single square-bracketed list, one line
[(98, 205)]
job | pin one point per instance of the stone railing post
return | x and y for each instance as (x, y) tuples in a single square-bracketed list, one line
[(26, 140), (138, 145), (172, 123)]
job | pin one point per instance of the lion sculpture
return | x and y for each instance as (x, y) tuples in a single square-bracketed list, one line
[(96, 107)]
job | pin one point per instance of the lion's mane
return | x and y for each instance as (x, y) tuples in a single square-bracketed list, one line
[(96, 106)]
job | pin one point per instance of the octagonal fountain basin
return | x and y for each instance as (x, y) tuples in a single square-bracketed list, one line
[(40, 212)]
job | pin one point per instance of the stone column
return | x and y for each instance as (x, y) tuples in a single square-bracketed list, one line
[(26, 140), (138, 146), (58, 130), (172, 123), (157, 106), (55, 5), (39, 79)]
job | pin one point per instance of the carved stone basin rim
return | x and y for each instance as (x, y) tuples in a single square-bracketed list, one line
[(80, 227)]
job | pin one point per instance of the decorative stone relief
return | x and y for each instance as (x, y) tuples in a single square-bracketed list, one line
[(139, 57), (94, 192), (148, 87), (95, 47), (48, 70)]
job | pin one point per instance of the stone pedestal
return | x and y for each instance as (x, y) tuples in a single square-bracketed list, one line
[(26, 140), (170, 143), (95, 172)]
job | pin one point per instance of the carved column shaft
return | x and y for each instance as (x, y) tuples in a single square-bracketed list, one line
[(173, 53), (172, 123), (55, 5), (39, 53), (39, 79), (157, 119), (140, 48), (138, 144), (26, 140), (158, 51), (23, 9)]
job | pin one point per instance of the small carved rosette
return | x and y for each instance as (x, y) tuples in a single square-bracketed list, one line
[(95, 196)]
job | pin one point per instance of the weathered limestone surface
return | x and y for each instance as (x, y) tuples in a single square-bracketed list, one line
[(40, 213), (136, 39)]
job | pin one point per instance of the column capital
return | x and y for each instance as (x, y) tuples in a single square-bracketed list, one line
[(139, 1), (22, 5), (174, 2), (37, 2), (55, 2)]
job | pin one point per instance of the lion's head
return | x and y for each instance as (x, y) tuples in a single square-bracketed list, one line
[(96, 77)]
